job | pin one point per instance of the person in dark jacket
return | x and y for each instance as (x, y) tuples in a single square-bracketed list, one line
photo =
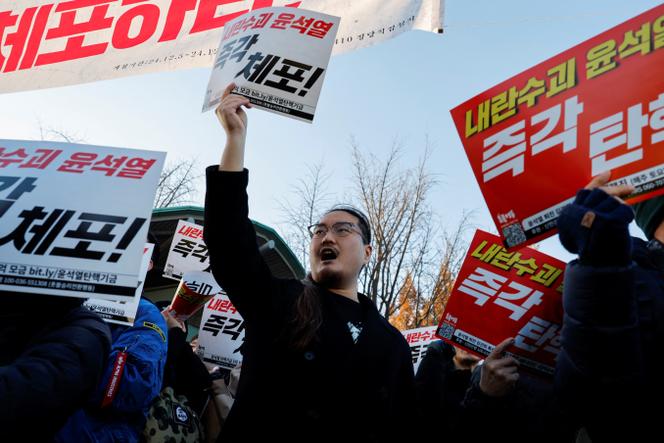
[(117, 409), (613, 329), (52, 354), (466, 402), (320, 363), (523, 406), (441, 382), (185, 372)]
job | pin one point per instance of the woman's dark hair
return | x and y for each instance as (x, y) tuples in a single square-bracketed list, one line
[(308, 316)]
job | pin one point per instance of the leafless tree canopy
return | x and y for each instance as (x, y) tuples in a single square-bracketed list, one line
[(395, 200), (414, 261), (427, 287), (55, 134), (310, 198), (177, 184)]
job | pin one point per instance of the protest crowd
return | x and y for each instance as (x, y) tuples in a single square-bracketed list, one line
[(570, 357)]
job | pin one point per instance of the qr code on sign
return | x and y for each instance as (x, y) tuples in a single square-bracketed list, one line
[(446, 330), (514, 235)]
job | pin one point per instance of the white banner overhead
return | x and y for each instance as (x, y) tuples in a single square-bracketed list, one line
[(46, 44)]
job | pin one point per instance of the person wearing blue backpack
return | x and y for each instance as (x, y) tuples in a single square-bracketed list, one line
[(132, 380), (52, 354)]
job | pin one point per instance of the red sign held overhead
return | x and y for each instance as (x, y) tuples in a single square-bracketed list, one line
[(500, 294), (534, 140)]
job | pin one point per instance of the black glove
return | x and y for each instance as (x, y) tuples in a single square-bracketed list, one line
[(595, 227)]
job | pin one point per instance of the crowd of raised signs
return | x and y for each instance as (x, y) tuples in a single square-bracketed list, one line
[(528, 348)]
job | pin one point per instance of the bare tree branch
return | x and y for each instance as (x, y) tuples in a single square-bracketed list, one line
[(177, 184), (396, 203), (54, 134), (310, 196), (414, 261)]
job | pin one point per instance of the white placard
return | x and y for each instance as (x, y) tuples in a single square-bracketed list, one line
[(188, 252), (221, 333), (66, 225), (120, 312), (277, 57), (418, 339)]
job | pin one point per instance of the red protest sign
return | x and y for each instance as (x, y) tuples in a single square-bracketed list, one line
[(500, 294), (534, 140)]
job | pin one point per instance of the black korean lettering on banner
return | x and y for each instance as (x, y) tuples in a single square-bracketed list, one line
[(287, 74), (235, 49), (201, 288), (423, 350), (234, 328), (45, 233), (415, 353), (127, 238), (292, 71), (214, 324), (22, 186), (256, 74), (86, 236), (184, 247), (201, 253)]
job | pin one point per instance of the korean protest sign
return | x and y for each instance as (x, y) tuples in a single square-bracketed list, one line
[(418, 339), (276, 58), (195, 289), (188, 252), (500, 294), (121, 312), (66, 226), (53, 43), (221, 333), (534, 140)]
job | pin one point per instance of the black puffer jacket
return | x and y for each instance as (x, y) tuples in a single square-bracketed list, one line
[(612, 346), (185, 372), (608, 372), (440, 389), (530, 413), (52, 352)]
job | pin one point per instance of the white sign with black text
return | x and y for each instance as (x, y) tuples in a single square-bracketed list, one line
[(188, 252), (120, 312), (418, 339), (221, 333), (66, 226), (277, 57)]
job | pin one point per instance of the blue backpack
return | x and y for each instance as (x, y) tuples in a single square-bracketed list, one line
[(131, 381)]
